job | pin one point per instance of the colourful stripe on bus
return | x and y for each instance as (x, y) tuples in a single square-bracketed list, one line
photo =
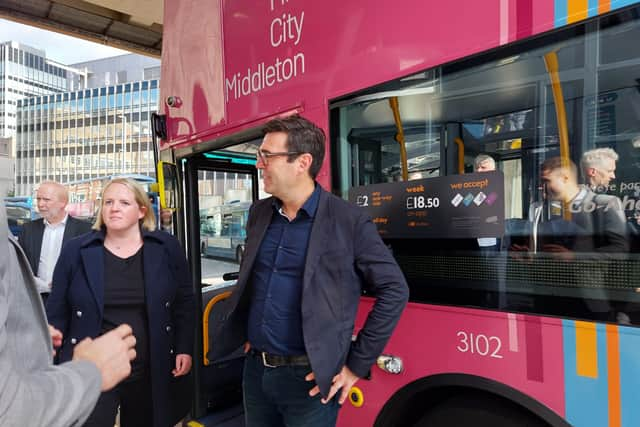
[(576, 10), (604, 6), (560, 13), (629, 339), (586, 349), (586, 391), (512, 324), (616, 4), (613, 369), (570, 11), (593, 8), (533, 334), (602, 374)]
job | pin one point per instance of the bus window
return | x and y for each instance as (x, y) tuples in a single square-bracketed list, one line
[(226, 186), (371, 146), (565, 141), (222, 229), (84, 195)]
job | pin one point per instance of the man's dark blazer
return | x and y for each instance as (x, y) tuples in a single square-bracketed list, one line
[(345, 253), (76, 305), (30, 238)]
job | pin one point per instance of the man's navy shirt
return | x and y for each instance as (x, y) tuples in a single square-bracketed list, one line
[(275, 319)]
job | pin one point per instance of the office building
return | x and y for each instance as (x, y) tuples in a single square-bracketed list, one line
[(25, 72), (89, 132)]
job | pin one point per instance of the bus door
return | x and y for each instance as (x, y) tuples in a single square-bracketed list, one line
[(220, 187)]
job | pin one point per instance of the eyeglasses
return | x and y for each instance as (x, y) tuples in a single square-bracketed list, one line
[(264, 155)]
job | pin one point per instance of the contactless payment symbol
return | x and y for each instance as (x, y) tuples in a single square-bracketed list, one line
[(456, 200), (468, 199), (480, 197)]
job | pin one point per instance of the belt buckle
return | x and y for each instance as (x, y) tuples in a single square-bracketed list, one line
[(264, 360)]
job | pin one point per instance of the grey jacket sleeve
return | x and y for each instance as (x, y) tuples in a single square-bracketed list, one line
[(32, 390)]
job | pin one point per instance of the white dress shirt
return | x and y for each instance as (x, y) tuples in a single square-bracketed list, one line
[(49, 253)]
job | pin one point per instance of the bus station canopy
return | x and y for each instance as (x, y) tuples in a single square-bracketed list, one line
[(133, 25)]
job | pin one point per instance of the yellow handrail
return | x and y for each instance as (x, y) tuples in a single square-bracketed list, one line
[(205, 323), (395, 107), (552, 66)]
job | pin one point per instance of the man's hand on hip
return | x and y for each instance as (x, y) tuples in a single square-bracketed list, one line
[(344, 380), (112, 353)]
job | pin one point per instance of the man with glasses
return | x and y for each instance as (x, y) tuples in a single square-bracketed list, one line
[(307, 256)]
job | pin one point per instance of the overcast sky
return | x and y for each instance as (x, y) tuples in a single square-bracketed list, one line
[(60, 48)]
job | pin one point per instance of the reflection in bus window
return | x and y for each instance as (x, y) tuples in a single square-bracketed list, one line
[(222, 230), (567, 246), (84, 195), (224, 200)]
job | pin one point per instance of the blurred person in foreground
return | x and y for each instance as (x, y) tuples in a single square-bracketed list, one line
[(42, 239), (33, 392), (124, 271)]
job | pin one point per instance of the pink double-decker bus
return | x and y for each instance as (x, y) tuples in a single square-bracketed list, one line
[(495, 144)]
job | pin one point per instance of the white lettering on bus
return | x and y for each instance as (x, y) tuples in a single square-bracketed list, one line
[(282, 3), (479, 344), (263, 76), (285, 29)]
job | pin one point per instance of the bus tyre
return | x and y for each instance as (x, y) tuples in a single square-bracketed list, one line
[(478, 410), (239, 254)]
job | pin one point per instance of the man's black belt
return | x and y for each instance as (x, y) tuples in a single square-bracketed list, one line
[(275, 360)]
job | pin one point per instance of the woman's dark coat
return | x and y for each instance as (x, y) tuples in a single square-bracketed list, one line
[(76, 305)]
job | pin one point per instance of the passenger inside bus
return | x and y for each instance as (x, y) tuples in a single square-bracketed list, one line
[(573, 218), (503, 104), (503, 108), (599, 168)]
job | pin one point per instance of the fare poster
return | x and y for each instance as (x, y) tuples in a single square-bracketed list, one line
[(455, 206)]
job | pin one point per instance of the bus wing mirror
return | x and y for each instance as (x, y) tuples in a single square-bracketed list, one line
[(159, 125), (167, 185)]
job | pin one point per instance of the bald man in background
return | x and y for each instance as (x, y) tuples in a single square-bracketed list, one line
[(43, 238)]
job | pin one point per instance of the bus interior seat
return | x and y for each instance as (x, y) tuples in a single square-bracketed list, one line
[(222, 376), (516, 231)]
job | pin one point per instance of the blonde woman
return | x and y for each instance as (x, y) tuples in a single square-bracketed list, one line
[(126, 272)]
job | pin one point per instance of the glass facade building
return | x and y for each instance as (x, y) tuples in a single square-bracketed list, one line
[(85, 134), (25, 72)]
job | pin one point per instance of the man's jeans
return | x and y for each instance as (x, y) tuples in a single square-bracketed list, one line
[(276, 397)]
